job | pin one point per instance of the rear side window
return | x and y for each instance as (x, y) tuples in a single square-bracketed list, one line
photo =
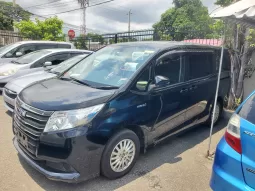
[(169, 67), (64, 46), (247, 112), (46, 46), (226, 65), (199, 65)]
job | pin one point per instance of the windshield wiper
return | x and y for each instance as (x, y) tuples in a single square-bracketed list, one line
[(79, 81), (106, 87)]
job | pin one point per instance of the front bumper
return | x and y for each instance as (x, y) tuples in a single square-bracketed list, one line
[(66, 177), (81, 163)]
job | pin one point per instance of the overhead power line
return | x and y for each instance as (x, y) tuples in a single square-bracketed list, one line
[(78, 8), (42, 4)]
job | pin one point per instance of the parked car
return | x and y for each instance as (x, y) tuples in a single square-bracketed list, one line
[(13, 87), (96, 117), (234, 163), (13, 51), (34, 62)]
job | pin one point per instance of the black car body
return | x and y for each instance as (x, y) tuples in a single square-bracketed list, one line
[(164, 89)]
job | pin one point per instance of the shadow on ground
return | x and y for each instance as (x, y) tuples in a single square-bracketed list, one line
[(166, 152)]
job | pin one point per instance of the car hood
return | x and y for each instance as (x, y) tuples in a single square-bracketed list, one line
[(20, 83), (55, 95), (8, 66)]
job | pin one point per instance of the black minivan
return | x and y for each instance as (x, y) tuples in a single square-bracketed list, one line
[(97, 117)]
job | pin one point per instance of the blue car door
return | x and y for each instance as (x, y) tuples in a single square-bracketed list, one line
[(247, 133)]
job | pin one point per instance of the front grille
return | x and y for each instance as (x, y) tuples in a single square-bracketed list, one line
[(30, 122), (10, 94)]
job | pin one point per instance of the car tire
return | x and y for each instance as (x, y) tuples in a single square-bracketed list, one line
[(219, 109), (120, 154)]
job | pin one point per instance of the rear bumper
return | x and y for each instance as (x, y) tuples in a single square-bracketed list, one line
[(66, 177), (227, 171)]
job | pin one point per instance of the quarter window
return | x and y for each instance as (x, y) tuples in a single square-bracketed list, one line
[(248, 110), (199, 65), (143, 82), (169, 67)]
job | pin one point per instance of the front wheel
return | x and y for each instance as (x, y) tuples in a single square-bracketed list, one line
[(120, 154)]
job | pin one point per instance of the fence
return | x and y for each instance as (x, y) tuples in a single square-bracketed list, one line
[(98, 41), (94, 43), (8, 37)]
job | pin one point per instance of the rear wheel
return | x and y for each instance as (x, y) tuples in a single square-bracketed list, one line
[(217, 115), (120, 154)]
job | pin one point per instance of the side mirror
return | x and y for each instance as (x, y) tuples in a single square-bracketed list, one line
[(161, 81), (47, 64), (141, 85), (18, 54)]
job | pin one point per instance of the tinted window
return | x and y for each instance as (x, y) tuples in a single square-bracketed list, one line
[(31, 57), (169, 67), (57, 59), (23, 49), (45, 46), (248, 110), (67, 64), (64, 46), (200, 65), (226, 65)]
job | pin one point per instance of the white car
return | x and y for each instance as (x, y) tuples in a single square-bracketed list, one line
[(13, 51), (34, 62), (12, 89)]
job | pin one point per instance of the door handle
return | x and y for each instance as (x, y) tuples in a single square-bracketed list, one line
[(184, 90)]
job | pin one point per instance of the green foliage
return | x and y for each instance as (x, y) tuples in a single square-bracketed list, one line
[(224, 3), (251, 37), (95, 37), (8, 14), (184, 20), (49, 29)]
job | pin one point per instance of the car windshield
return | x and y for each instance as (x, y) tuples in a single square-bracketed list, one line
[(62, 67), (8, 47), (28, 58), (111, 66)]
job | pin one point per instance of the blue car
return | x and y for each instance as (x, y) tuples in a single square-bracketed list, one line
[(234, 163)]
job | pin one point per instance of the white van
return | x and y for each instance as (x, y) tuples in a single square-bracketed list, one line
[(13, 51)]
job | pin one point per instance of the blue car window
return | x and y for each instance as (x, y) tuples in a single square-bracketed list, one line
[(247, 112)]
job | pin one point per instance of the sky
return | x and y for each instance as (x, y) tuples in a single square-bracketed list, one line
[(105, 18)]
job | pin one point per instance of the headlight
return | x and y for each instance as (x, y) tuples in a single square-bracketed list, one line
[(8, 72), (61, 120)]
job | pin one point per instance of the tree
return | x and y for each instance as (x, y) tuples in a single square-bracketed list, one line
[(8, 14), (49, 29), (240, 41), (187, 19)]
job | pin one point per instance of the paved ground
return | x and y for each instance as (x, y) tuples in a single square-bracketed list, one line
[(177, 164)]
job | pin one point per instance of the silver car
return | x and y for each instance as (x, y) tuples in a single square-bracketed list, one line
[(13, 51), (34, 62), (15, 86)]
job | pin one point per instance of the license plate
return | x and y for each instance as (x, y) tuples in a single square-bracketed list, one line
[(22, 139)]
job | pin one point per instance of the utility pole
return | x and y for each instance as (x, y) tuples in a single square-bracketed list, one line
[(84, 4), (129, 20)]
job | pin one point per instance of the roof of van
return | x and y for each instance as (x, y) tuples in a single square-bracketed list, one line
[(42, 41), (168, 44)]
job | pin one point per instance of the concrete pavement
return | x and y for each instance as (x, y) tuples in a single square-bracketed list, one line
[(176, 164)]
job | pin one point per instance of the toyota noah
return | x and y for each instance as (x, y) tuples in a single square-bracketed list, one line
[(97, 117)]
